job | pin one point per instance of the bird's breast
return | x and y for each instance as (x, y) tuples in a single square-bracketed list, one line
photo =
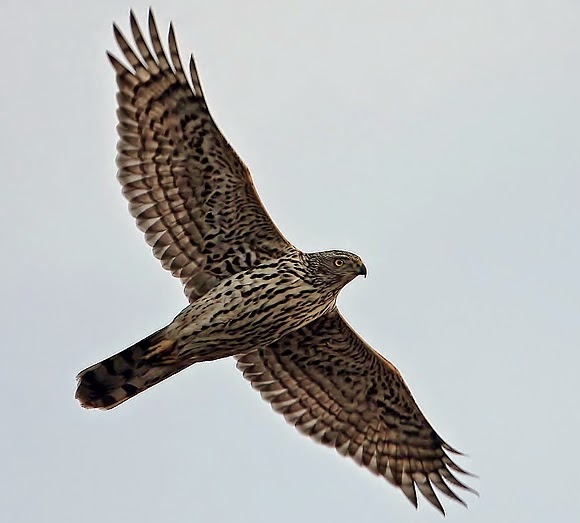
[(254, 307)]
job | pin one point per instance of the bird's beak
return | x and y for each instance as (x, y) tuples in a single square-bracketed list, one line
[(362, 270)]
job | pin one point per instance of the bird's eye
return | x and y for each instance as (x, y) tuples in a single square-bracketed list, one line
[(338, 262)]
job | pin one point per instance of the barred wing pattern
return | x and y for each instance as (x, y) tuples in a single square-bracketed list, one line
[(332, 386), (188, 190)]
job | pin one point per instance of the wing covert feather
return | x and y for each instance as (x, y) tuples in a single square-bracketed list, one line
[(188, 190), (333, 387)]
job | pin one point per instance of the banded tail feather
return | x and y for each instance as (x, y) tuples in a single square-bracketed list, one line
[(129, 372)]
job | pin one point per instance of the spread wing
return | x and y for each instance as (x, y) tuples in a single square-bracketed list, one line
[(188, 190), (336, 389)]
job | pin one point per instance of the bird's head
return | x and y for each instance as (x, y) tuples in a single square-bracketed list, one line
[(335, 268)]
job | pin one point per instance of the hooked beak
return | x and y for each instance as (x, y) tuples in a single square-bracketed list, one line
[(362, 270)]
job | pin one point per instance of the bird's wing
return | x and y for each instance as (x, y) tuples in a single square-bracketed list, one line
[(188, 190), (333, 387)]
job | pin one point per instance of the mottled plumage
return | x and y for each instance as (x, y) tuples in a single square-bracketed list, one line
[(252, 294), (333, 387), (253, 307)]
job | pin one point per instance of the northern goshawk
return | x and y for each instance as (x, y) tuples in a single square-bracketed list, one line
[(252, 294)]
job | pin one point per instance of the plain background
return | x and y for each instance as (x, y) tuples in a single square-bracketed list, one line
[(439, 140)]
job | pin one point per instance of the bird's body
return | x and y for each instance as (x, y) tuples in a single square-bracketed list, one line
[(241, 312), (252, 294), (251, 308)]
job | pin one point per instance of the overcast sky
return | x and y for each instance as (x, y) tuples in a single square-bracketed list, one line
[(438, 140)]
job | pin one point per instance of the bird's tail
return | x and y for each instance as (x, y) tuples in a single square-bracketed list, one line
[(120, 377)]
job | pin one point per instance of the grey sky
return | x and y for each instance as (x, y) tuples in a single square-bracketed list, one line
[(438, 140)]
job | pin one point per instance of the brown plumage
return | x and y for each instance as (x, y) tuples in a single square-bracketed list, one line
[(252, 294), (332, 386), (257, 306)]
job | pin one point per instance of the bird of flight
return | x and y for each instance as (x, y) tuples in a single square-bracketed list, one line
[(252, 295)]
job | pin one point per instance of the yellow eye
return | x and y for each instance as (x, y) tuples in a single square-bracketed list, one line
[(338, 262)]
